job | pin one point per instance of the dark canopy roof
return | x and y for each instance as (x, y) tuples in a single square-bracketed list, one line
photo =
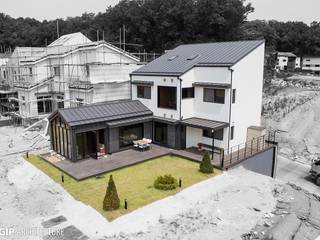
[(181, 59), (103, 112), (204, 123)]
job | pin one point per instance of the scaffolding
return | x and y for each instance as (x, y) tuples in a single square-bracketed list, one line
[(66, 72)]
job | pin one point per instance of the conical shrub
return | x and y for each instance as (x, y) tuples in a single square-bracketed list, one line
[(206, 165), (111, 200)]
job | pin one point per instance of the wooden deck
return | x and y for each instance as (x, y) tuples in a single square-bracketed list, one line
[(93, 167)]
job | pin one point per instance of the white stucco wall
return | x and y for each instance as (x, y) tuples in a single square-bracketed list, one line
[(314, 63), (152, 103), (248, 82)]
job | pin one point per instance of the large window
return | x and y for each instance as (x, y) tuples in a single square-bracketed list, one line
[(187, 92), (44, 104), (144, 92), (167, 97), (214, 95), (218, 134), (161, 133), (128, 134)]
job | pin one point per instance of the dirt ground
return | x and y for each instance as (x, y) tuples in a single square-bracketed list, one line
[(217, 206), (292, 107)]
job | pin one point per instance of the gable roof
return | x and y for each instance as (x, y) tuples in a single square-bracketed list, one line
[(70, 39), (102, 112), (286, 54), (183, 58)]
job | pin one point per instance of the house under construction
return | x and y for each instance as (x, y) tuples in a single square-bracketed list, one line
[(71, 71)]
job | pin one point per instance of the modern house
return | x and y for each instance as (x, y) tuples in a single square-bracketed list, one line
[(311, 64), (198, 94), (71, 71), (287, 61), (200, 91)]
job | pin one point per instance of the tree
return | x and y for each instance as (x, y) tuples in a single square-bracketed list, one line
[(111, 200), (206, 165)]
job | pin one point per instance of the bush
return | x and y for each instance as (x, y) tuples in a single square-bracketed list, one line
[(166, 182), (206, 165), (111, 200)]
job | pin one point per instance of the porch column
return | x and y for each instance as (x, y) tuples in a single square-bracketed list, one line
[(212, 133)]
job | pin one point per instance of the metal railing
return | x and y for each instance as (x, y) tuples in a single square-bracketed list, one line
[(236, 154)]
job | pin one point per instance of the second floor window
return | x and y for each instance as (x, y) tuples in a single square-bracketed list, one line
[(214, 95), (144, 92), (167, 97), (187, 92)]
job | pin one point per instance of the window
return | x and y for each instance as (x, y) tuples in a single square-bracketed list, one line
[(213, 95), (4, 74), (144, 92), (284, 60), (128, 134), (44, 104), (317, 65), (60, 102), (232, 133), (167, 97), (208, 95), (79, 101), (30, 71), (87, 70), (219, 95), (218, 134), (234, 95), (307, 60), (308, 65), (56, 71), (187, 92)]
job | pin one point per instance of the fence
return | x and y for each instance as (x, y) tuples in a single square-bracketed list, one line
[(232, 156)]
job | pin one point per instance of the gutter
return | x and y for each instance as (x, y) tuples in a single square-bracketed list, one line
[(180, 116), (229, 132)]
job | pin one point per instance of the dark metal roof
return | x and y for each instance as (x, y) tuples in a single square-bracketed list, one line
[(103, 112), (130, 121), (144, 83), (212, 85), (181, 59), (204, 123)]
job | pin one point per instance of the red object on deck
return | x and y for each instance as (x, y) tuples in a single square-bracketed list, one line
[(102, 151)]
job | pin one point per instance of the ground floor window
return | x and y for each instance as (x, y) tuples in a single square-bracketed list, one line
[(161, 133), (128, 134), (44, 104), (218, 134)]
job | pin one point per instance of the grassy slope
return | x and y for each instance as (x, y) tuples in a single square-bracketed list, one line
[(134, 183)]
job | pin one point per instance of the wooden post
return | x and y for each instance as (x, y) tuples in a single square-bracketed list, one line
[(251, 146), (258, 144), (238, 152), (231, 156)]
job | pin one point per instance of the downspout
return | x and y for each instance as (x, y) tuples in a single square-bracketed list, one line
[(180, 115), (229, 132), (130, 84)]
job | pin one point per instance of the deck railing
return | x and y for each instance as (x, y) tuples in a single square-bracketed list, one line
[(240, 152)]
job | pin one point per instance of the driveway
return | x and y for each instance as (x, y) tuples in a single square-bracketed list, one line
[(296, 173)]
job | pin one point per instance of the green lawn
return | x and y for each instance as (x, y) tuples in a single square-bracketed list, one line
[(135, 183)]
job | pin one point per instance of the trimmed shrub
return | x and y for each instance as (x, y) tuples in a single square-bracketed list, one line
[(111, 200), (206, 165), (166, 182)]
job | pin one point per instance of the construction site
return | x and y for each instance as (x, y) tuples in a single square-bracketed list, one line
[(71, 71)]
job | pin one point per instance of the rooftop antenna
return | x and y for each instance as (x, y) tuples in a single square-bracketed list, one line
[(98, 35), (103, 35), (58, 34)]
